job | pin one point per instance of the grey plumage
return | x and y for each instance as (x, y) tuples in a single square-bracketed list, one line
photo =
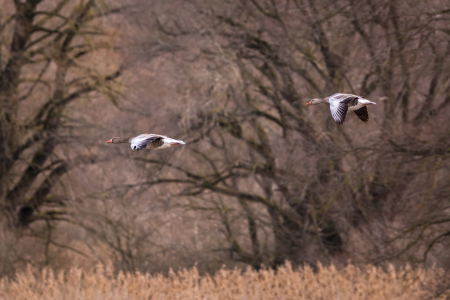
[(147, 141), (340, 104), (152, 142)]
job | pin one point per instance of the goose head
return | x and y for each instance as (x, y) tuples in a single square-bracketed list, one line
[(118, 140), (314, 101)]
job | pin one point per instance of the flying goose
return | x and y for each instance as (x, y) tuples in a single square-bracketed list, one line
[(149, 141), (340, 103)]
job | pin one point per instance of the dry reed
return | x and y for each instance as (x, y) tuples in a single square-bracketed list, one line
[(286, 283)]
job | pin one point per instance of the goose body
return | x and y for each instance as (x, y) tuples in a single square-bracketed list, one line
[(147, 141), (341, 103)]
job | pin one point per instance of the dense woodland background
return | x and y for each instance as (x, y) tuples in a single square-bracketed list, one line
[(263, 178)]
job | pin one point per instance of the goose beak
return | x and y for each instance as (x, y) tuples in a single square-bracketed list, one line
[(309, 103), (109, 142)]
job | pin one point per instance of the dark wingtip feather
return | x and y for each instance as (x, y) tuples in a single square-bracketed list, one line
[(363, 114)]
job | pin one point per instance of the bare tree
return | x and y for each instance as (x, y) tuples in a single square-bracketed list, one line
[(44, 68), (285, 182)]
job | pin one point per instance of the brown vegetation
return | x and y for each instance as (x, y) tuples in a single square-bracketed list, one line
[(287, 283)]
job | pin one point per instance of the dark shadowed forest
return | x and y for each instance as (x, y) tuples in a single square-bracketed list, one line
[(263, 178)]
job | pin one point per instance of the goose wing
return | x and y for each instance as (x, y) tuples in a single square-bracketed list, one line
[(339, 106), (150, 141), (363, 114)]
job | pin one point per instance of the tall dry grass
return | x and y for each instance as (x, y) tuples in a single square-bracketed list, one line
[(286, 283)]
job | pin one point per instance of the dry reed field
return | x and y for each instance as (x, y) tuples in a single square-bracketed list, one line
[(286, 283)]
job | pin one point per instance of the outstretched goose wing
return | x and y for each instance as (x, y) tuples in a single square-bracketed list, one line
[(339, 106), (142, 141), (363, 114)]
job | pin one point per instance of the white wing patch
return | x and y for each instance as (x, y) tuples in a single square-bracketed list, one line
[(153, 141), (339, 106), (141, 141), (338, 111)]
